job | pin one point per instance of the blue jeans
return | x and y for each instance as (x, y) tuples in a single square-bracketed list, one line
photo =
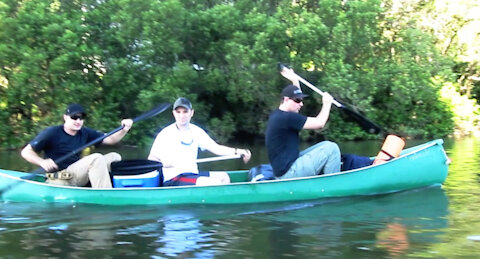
[(321, 158)]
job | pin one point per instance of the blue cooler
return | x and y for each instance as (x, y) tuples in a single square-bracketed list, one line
[(140, 180), (136, 173)]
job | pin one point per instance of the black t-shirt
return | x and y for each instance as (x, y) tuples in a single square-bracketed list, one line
[(55, 142), (282, 139)]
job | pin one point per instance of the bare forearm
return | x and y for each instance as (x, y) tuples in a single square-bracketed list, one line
[(31, 156), (115, 138), (224, 151), (324, 114), (320, 120)]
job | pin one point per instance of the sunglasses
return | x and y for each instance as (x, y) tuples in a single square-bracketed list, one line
[(297, 100), (77, 116)]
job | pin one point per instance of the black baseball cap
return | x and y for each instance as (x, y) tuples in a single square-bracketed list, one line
[(182, 102), (292, 91), (75, 108)]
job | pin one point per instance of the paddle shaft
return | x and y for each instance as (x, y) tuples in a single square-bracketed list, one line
[(217, 158), (154, 165), (314, 88)]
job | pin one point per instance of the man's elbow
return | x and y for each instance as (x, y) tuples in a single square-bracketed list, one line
[(109, 141), (26, 151), (314, 126)]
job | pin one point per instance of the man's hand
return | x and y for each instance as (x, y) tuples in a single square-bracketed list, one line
[(245, 153), (327, 98), (289, 74), (127, 124), (48, 165)]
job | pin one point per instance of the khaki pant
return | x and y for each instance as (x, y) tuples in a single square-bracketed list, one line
[(94, 168)]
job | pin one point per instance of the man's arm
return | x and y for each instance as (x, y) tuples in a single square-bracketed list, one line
[(222, 150), (322, 117), (31, 156), (167, 161), (115, 138)]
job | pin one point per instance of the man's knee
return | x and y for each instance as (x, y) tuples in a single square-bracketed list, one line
[(113, 157), (222, 176), (95, 156), (98, 159), (108, 158), (332, 147), (204, 181)]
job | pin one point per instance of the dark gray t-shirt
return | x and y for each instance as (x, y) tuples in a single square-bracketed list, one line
[(282, 139), (55, 142)]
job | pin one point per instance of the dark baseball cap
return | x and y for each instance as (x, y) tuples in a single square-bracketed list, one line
[(292, 91), (75, 108), (182, 102)]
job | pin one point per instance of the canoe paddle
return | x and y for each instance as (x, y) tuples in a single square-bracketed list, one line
[(155, 111), (217, 158), (132, 166), (363, 121)]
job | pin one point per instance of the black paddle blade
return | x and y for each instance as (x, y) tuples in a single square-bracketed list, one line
[(281, 66), (162, 107), (34, 174), (363, 121), (366, 124)]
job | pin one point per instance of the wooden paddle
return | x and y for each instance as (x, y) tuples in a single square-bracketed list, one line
[(363, 121), (155, 111)]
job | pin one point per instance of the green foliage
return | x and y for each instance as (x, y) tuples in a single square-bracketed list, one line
[(466, 111), (122, 58), (222, 128)]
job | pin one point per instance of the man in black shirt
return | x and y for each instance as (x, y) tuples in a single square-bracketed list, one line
[(282, 136), (57, 141)]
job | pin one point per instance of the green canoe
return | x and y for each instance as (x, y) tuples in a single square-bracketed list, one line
[(419, 166)]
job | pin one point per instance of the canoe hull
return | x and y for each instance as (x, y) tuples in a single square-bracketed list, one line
[(417, 167)]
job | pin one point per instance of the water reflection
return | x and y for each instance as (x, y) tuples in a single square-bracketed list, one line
[(465, 168), (366, 225), (182, 237), (463, 190), (410, 216), (393, 238)]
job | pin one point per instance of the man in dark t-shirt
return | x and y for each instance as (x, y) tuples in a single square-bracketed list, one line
[(282, 136), (57, 141)]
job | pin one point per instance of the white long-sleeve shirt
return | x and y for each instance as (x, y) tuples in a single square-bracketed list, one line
[(178, 149)]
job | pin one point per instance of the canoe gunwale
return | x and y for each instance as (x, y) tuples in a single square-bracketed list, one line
[(411, 152)]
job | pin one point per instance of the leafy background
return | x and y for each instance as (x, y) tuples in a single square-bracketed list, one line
[(410, 66)]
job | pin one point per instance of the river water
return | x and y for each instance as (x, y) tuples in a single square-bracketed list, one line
[(424, 223)]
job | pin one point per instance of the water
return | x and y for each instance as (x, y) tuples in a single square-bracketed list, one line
[(424, 223)]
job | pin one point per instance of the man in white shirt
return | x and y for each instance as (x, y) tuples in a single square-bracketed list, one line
[(176, 146)]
